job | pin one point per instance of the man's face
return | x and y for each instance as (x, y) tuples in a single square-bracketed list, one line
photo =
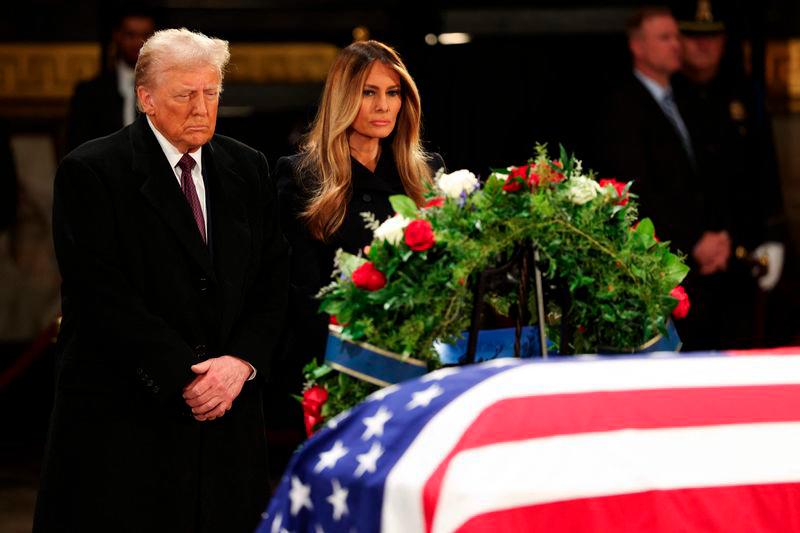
[(702, 52), (182, 105), (131, 35), (657, 45)]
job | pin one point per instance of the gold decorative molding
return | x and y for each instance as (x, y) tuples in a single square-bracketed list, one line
[(45, 71), (280, 63), (37, 79), (782, 72)]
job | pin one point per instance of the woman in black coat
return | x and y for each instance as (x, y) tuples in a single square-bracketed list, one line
[(363, 147)]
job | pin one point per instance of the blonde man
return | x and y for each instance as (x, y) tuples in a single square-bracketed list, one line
[(174, 290)]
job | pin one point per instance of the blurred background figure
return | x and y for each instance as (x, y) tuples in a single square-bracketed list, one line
[(645, 137), (106, 103), (732, 136)]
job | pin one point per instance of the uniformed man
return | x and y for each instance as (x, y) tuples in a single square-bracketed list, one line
[(736, 160)]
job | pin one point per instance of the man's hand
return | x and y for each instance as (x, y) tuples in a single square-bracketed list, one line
[(219, 381), (712, 251)]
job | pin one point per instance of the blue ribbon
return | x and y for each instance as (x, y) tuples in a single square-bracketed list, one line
[(382, 367)]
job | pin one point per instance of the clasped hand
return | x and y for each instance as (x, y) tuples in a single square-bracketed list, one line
[(712, 251), (219, 381)]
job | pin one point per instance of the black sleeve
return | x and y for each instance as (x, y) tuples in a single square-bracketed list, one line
[(257, 333), (305, 334), (106, 320)]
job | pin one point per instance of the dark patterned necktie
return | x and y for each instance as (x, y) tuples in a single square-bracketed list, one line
[(187, 184)]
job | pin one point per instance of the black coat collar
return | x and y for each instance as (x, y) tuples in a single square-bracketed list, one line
[(385, 178), (227, 222)]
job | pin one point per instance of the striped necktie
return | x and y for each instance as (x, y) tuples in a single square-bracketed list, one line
[(187, 184)]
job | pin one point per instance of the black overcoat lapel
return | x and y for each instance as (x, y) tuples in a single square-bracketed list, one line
[(229, 227), (161, 189)]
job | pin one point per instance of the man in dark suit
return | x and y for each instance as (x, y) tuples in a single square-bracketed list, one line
[(102, 105), (174, 290), (643, 137)]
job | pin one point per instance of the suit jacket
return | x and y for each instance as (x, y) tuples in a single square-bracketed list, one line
[(312, 260), (636, 141), (95, 109), (735, 147), (144, 299)]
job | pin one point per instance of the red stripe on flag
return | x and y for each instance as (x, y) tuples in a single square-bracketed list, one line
[(784, 350), (533, 417), (738, 509)]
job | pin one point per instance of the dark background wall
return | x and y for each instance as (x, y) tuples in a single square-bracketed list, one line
[(532, 72)]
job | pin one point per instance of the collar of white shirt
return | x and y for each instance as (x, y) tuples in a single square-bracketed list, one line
[(658, 91), (173, 154)]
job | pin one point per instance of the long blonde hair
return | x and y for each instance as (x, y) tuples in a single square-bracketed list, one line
[(325, 153)]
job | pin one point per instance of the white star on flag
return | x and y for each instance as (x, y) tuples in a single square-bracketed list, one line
[(331, 457), (440, 374), (424, 397), (276, 524), (375, 423), (368, 462), (300, 495), (338, 499), (383, 393)]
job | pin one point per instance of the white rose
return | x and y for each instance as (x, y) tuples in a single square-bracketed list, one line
[(391, 230), (455, 183), (582, 189)]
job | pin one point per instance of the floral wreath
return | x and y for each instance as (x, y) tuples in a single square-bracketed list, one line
[(412, 286)]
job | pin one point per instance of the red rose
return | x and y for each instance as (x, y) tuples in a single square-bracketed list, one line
[(516, 178), (512, 184), (368, 277), (619, 187), (419, 235), (558, 163), (683, 305), (332, 320), (519, 172), (313, 400), (533, 180), (558, 177), (434, 202)]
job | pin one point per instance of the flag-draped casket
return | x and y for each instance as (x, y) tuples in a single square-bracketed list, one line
[(698, 442)]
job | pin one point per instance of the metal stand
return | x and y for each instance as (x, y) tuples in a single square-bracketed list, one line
[(523, 256)]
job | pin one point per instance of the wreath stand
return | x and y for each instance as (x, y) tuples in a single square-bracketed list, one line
[(525, 258)]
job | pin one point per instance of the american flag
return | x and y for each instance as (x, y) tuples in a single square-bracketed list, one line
[(699, 442)]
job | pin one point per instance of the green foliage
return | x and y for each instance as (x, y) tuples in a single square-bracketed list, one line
[(618, 278), (343, 391)]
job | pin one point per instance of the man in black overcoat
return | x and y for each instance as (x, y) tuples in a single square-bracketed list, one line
[(643, 137), (174, 290), (102, 105)]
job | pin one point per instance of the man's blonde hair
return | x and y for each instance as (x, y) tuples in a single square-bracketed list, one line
[(180, 48)]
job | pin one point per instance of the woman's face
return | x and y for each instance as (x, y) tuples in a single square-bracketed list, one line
[(380, 102)]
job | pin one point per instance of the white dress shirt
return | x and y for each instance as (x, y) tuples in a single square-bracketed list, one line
[(125, 85)]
